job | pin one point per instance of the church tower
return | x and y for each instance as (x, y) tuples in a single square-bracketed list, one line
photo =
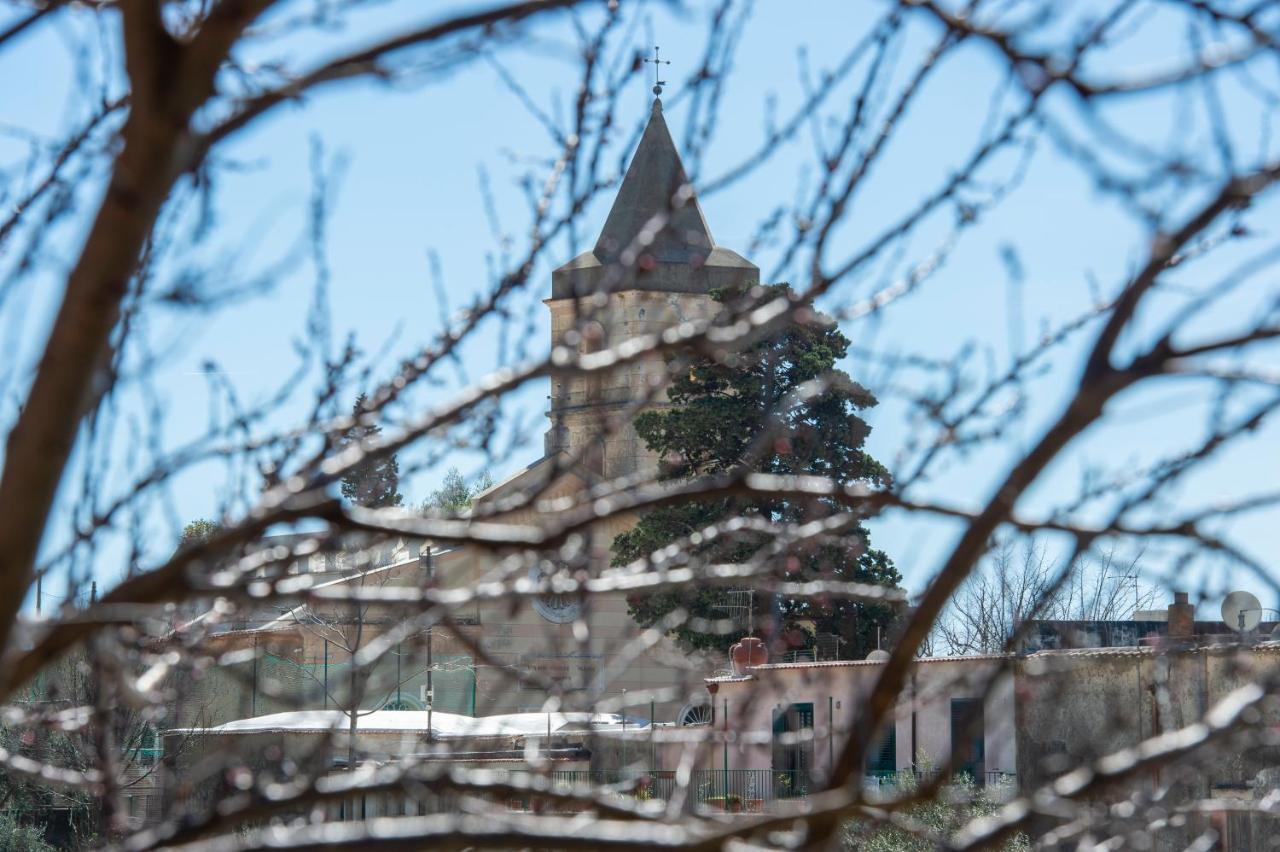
[(653, 267)]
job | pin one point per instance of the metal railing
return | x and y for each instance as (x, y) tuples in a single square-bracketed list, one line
[(998, 778), (747, 790), (639, 784), (731, 790), (892, 778)]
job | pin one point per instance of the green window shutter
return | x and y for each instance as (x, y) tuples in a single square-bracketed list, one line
[(885, 756)]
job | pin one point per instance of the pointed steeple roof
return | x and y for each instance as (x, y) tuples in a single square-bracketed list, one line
[(655, 237), (656, 207)]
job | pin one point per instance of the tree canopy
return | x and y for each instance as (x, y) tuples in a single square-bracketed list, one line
[(199, 530), (455, 493), (780, 406), (373, 483)]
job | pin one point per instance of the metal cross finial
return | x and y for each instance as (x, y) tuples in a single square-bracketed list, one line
[(657, 60)]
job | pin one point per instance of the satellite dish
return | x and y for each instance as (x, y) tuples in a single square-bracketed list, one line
[(878, 656), (1241, 611)]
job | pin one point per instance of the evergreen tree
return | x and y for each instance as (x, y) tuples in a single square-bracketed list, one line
[(374, 483), (719, 411)]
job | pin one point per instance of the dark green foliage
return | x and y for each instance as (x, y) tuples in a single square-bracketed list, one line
[(719, 412), (16, 836), (36, 817), (374, 483), (938, 816)]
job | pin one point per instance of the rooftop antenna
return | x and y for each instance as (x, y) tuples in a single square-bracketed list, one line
[(1241, 611), (739, 602), (657, 60)]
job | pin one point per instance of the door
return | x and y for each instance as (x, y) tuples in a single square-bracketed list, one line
[(968, 747), (793, 741)]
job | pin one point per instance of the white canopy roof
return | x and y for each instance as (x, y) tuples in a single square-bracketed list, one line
[(443, 725)]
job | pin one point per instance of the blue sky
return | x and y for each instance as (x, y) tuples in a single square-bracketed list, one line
[(407, 162)]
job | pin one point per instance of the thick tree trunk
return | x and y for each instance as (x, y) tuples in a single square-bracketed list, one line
[(168, 83), (74, 369)]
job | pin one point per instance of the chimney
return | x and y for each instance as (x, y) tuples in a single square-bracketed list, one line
[(1182, 617)]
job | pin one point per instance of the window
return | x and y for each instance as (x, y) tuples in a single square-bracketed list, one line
[(695, 714), (148, 749), (884, 757)]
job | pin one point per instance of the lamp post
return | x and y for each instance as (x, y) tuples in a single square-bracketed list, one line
[(725, 799), (652, 756), (431, 693)]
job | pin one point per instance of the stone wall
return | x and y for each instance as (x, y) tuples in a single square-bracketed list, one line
[(1077, 706), (522, 638), (585, 407)]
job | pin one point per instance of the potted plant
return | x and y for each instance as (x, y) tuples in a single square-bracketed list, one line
[(729, 804)]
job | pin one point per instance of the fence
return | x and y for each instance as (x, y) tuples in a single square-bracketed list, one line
[(271, 684), (893, 778), (731, 790), (747, 790)]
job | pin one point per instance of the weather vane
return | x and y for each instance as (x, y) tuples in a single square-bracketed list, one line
[(657, 60)]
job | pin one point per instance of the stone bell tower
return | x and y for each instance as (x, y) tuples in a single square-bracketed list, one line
[(652, 267)]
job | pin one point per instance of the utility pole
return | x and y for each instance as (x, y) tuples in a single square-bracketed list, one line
[(431, 694)]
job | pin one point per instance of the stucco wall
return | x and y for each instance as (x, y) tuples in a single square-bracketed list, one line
[(837, 692)]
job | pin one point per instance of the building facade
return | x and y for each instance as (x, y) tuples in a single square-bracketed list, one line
[(956, 716), (653, 267)]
